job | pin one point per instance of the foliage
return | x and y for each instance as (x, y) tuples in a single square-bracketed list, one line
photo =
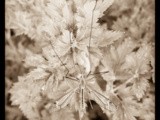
[(65, 56)]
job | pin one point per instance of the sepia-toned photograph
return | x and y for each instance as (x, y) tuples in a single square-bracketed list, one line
[(79, 60)]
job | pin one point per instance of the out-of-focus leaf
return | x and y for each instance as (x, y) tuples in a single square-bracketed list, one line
[(25, 94), (62, 114), (127, 107), (140, 87), (34, 60), (108, 38), (37, 74)]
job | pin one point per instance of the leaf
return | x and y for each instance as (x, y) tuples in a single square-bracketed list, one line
[(83, 37), (143, 56), (50, 85), (33, 60), (100, 37), (140, 87), (126, 47), (88, 9), (127, 108), (46, 28), (23, 22), (37, 74), (95, 57), (112, 62), (68, 14), (49, 53), (108, 37), (62, 45), (85, 13), (61, 13), (25, 94), (139, 61), (103, 5)]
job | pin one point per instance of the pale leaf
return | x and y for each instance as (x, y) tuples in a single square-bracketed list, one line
[(25, 94), (108, 38), (103, 5), (143, 56), (85, 13), (33, 60), (139, 61), (68, 15), (126, 47), (37, 74), (95, 57), (140, 87), (127, 109), (62, 44), (112, 62), (49, 53)]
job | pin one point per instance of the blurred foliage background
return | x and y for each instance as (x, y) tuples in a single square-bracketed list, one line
[(135, 17)]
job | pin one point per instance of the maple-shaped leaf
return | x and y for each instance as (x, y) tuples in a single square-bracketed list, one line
[(37, 74), (46, 29), (123, 113), (26, 94), (53, 8), (114, 59), (126, 47), (99, 37), (140, 87), (33, 60), (85, 13), (51, 28), (127, 108), (63, 44), (139, 61), (89, 11), (61, 14), (68, 41), (108, 37)]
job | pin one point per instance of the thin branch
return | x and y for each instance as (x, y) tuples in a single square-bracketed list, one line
[(91, 30)]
